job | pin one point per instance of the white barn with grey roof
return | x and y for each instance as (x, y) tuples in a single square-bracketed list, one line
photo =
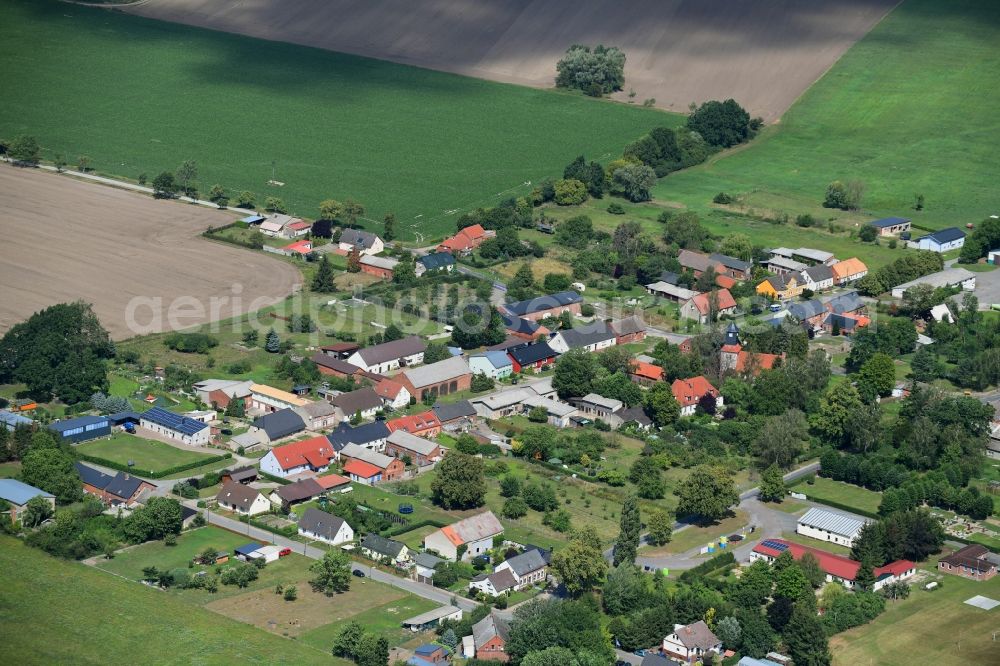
[(831, 526), (528, 568)]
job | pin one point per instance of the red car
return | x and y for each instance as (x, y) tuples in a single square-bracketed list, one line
[(284, 551)]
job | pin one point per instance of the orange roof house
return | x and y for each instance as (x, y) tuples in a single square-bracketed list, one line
[(689, 392), (360, 469), (299, 247), (699, 306), (848, 270), (424, 424), (312, 454), (466, 240), (645, 373)]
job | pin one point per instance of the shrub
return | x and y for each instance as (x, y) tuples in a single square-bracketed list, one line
[(805, 220), (570, 192), (596, 72), (616, 208), (722, 198)]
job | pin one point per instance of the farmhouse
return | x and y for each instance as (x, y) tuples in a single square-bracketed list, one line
[(528, 568), (455, 415), (466, 240), (551, 305), (17, 494), (377, 547), (532, 357), (702, 307), (891, 226), (780, 287), (318, 415), (817, 278), (493, 364), (370, 467), (309, 455), (341, 350), (628, 330), (120, 489), (599, 407), (812, 313), (524, 329), (849, 270), (732, 267), (689, 393), (671, 292), (690, 643), (421, 451), (591, 337), (644, 373), (950, 277), (390, 355), (838, 569), (442, 378), (439, 262), (424, 424), (266, 399), (369, 435), (490, 638), (697, 263), (393, 394), (365, 242), (944, 240), (474, 533), (81, 429), (832, 526), (243, 500), (220, 392), (181, 428), (494, 584), (365, 402), (279, 424), (322, 526), (973, 561), (381, 267), (848, 303)]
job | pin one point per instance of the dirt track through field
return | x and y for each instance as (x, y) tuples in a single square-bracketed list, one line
[(64, 240), (763, 53)]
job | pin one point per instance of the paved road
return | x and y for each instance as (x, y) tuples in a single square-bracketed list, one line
[(420, 589)]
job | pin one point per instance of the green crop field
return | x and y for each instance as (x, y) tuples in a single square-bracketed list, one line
[(146, 453), (911, 108), (64, 612), (140, 96)]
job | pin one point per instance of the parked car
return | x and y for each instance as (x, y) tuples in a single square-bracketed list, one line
[(284, 551), (736, 537), (359, 573)]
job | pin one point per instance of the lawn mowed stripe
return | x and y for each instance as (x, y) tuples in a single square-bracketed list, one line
[(412, 141)]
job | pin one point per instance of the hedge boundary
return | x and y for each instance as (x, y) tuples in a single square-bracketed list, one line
[(271, 477), (176, 469), (403, 529), (726, 559)]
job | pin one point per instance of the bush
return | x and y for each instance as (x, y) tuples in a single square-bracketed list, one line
[(722, 198), (616, 208), (570, 192), (805, 220), (596, 72), (190, 343)]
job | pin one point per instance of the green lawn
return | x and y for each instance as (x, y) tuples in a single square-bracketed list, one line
[(837, 549), (694, 536), (416, 142), (841, 493), (9, 469), (146, 453), (131, 561), (382, 619), (58, 612), (911, 108), (928, 628)]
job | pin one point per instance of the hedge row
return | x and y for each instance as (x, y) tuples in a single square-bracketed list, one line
[(289, 531), (842, 507), (271, 477), (150, 473), (403, 529), (726, 559)]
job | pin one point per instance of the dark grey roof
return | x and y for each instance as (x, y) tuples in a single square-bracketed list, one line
[(695, 261), (427, 560), (299, 491), (502, 580), (242, 473), (526, 562), (120, 485), (599, 331), (848, 302), (358, 237), (490, 627), (805, 310), (361, 400), (389, 351), (888, 222), (656, 660), (636, 414), (669, 277), (361, 435), (238, 495), (519, 325), (334, 363), (946, 235), (511, 341), (845, 324), (320, 523), (730, 262), (122, 417), (628, 326), (382, 546), (78, 422), (92, 477), (559, 299), (531, 352), (819, 272), (454, 410), (280, 424), (437, 260)]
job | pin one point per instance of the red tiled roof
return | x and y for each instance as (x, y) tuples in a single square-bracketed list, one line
[(835, 565), (763, 361), (725, 301), (414, 422), (299, 226), (466, 239), (732, 349), (316, 452), (361, 469), (688, 392), (725, 281), (302, 247), (331, 481), (647, 370), (388, 389)]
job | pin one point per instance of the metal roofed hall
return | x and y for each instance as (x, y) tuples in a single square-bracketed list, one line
[(410, 442), (435, 373), (431, 615), (833, 521), (886, 222), (945, 235), (559, 299), (18, 492), (608, 403), (946, 278)]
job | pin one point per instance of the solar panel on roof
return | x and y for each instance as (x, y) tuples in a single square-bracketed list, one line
[(776, 545), (176, 422)]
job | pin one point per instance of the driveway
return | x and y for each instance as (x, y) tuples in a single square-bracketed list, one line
[(987, 289)]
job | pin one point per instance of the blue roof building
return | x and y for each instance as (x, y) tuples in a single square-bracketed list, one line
[(944, 240), (183, 429), (494, 364), (890, 226), (82, 428), (10, 420), (19, 493), (439, 261)]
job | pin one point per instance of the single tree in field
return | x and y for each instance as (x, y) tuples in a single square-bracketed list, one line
[(661, 528), (323, 280), (708, 493), (352, 211), (83, 163), (772, 485), (275, 205), (272, 344), (580, 565), (246, 199), (628, 535), (218, 196), (389, 227), (354, 261), (187, 174), (24, 150), (332, 573), (460, 482), (330, 209), (164, 185)]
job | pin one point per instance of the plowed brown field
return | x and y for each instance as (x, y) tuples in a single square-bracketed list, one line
[(763, 53), (64, 240)]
